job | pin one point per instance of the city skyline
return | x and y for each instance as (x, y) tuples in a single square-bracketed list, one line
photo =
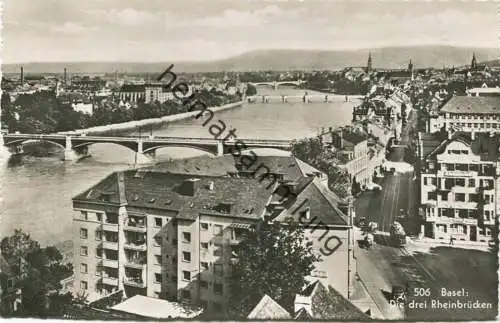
[(153, 32)]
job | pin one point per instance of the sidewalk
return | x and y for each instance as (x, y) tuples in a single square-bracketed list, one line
[(429, 243)]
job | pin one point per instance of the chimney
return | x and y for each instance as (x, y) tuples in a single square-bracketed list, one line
[(189, 187), (22, 75), (65, 76)]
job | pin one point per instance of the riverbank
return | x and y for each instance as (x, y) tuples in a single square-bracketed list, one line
[(146, 123)]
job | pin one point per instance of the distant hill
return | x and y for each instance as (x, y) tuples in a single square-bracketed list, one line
[(387, 57)]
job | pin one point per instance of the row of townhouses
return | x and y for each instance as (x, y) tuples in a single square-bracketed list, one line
[(170, 232)]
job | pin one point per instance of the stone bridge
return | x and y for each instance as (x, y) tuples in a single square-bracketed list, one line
[(76, 146), (276, 84)]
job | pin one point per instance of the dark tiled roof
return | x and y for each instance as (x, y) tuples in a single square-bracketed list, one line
[(189, 195), (133, 88), (431, 141), (323, 205), (291, 167), (329, 304), (472, 104)]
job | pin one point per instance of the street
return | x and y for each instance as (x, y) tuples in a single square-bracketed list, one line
[(428, 268)]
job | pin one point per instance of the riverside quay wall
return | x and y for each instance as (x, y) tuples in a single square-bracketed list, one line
[(146, 123)]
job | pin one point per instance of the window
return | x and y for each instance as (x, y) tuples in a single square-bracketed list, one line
[(186, 294), (204, 246), (472, 182), (186, 237), (84, 215), (460, 182), (204, 226), (158, 278), (431, 196), (218, 288), (425, 181), (84, 233), (98, 235), (186, 256), (186, 275), (84, 285), (158, 259), (84, 251), (99, 217), (217, 229), (204, 265), (158, 222), (444, 196), (218, 269), (157, 240), (433, 180), (84, 268), (459, 197), (203, 284)]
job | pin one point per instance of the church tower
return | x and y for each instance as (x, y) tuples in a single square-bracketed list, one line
[(410, 69), (473, 63), (369, 64)]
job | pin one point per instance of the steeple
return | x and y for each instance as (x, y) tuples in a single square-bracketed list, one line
[(410, 67), (473, 64), (369, 64)]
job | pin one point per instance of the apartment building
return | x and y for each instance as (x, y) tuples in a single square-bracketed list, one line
[(170, 235), (468, 113), (149, 92), (350, 146), (459, 178)]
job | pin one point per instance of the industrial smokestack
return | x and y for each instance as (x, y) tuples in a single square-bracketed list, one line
[(65, 76), (22, 75)]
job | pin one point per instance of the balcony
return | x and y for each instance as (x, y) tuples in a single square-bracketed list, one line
[(136, 245), (112, 281), (109, 263), (134, 282), (137, 263), (136, 226), (110, 227), (109, 245)]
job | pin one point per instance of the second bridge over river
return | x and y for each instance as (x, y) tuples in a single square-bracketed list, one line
[(76, 146)]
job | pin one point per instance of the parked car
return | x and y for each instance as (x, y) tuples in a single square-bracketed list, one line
[(398, 294)]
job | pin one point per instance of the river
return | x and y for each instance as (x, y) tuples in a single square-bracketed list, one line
[(35, 193)]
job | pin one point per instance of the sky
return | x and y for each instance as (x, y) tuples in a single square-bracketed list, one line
[(199, 30)]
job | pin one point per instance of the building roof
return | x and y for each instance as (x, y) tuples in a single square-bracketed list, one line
[(156, 308), (326, 304), (185, 194), (266, 309), (133, 88), (322, 203), (472, 104), (484, 145)]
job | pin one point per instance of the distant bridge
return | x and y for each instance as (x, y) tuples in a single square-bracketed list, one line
[(276, 84), (76, 146)]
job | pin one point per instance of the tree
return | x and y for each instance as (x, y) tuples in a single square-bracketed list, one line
[(272, 260), (312, 151), (37, 273), (251, 90)]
